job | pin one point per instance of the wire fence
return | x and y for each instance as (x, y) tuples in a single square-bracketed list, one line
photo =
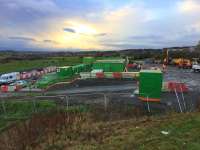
[(109, 104)]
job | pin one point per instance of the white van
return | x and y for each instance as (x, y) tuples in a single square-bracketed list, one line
[(196, 68), (9, 77)]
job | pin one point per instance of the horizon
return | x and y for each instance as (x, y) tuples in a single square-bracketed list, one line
[(98, 25)]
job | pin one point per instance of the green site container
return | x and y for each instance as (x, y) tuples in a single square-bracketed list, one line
[(150, 85), (77, 69), (88, 60), (81, 68), (65, 71), (88, 67), (109, 66)]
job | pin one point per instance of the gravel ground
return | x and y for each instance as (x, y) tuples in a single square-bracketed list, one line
[(187, 76)]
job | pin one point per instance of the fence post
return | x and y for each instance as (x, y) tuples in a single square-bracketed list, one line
[(4, 108), (34, 105), (148, 104), (67, 102), (105, 102)]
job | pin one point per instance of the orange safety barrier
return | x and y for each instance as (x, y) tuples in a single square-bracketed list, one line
[(4, 88), (117, 75), (100, 75), (131, 65), (145, 99), (179, 87)]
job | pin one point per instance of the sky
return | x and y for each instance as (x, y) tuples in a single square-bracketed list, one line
[(74, 25)]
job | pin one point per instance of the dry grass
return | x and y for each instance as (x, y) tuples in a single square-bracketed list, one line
[(95, 130)]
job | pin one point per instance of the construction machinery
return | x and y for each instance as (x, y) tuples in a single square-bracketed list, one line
[(185, 63), (182, 63)]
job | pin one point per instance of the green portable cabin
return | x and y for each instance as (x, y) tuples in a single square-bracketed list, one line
[(110, 65), (88, 60), (77, 68), (81, 68), (86, 67), (65, 71), (150, 85)]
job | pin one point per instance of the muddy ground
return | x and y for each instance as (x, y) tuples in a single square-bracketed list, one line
[(95, 91), (187, 102)]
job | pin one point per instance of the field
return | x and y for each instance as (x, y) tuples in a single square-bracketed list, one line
[(21, 65)]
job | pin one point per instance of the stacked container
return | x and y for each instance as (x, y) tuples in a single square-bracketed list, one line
[(110, 65)]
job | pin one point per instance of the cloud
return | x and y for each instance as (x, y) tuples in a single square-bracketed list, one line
[(99, 23), (50, 41), (26, 12), (146, 37), (69, 30), (189, 6), (100, 34), (125, 45), (22, 38)]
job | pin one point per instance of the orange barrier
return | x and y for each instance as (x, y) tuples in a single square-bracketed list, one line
[(149, 99), (179, 87), (100, 75), (4, 88), (117, 75)]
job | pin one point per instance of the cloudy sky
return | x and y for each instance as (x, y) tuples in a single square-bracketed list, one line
[(98, 24)]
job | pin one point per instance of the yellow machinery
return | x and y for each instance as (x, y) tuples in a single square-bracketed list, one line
[(182, 63)]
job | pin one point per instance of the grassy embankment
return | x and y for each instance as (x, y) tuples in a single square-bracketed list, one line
[(16, 111), (90, 130), (12, 111), (144, 134)]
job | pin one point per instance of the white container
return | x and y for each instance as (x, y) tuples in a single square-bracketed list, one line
[(96, 71), (85, 75)]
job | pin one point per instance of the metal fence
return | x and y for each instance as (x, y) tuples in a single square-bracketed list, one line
[(104, 103), (122, 104)]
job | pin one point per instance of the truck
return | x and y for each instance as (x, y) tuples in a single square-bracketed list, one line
[(9, 78), (185, 63)]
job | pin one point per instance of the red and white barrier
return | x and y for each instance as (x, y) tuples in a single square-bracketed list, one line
[(100, 75), (117, 75), (179, 87), (10, 88)]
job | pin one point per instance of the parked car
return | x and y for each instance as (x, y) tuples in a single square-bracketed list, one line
[(21, 83), (196, 68)]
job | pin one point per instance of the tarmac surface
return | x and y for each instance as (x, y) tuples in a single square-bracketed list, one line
[(187, 76)]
